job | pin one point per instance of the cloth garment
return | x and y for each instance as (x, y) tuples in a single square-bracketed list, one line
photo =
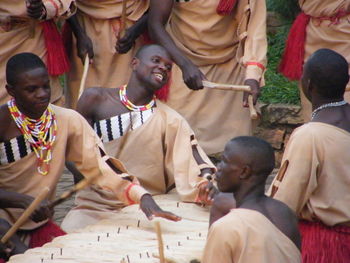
[(227, 49), (156, 148), (317, 180), (245, 235), (19, 33), (77, 142), (101, 21)]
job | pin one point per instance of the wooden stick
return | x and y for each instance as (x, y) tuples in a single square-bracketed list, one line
[(220, 86), (123, 20), (279, 178), (160, 242), (253, 113), (83, 78), (79, 186), (26, 214)]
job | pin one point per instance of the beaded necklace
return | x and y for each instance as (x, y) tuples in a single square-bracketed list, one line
[(327, 105), (40, 133), (127, 103)]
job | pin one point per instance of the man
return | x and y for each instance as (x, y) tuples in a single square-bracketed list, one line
[(98, 24), (35, 140), (225, 45), (321, 24), (27, 26), (260, 229), (153, 141), (314, 179)]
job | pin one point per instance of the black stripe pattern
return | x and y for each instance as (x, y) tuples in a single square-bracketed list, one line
[(14, 150), (115, 127)]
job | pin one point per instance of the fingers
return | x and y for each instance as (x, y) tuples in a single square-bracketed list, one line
[(167, 215), (34, 8), (124, 44)]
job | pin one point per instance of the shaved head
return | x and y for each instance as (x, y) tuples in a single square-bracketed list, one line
[(328, 72), (146, 48), (20, 63)]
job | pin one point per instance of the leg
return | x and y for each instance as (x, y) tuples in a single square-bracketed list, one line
[(223, 203)]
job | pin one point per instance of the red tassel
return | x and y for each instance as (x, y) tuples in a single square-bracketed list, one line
[(67, 38), (323, 244), (146, 39), (225, 7), (292, 62), (45, 234), (2, 261), (57, 61)]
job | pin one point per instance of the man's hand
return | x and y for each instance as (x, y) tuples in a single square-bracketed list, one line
[(42, 212), (207, 192), (192, 76), (151, 209), (125, 43), (85, 47), (255, 91), (36, 9)]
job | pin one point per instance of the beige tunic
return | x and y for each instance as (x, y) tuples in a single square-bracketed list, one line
[(158, 153), (75, 142), (316, 184), (246, 235), (15, 37), (326, 34), (101, 20), (220, 46)]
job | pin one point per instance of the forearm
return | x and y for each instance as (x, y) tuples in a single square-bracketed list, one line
[(11, 199), (141, 25), (77, 29)]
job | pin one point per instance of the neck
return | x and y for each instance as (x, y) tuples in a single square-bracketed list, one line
[(318, 101), (138, 94), (253, 192)]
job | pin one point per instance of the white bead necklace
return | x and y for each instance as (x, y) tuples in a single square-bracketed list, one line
[(327, 105)]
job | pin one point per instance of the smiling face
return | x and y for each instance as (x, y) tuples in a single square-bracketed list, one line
[(31, 91), (153, 67)]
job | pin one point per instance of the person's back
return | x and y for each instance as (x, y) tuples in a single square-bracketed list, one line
[(260, 229)]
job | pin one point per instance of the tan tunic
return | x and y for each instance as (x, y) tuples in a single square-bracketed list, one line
[(212, 42), (15, 37), (158, 153), (246, 235), (316, 184), (101, 20), (75, 142), (326, 34)]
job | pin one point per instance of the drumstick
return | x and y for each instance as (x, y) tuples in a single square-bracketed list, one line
[(26, 214), (253, 113), (160, 241), (123, 20), (83, 78), (279, 178), (79, 186), (220, 86)]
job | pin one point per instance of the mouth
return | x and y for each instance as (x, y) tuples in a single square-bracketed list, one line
[(159, 77)]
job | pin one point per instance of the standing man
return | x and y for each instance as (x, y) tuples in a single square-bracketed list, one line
[(36, 138), (97, 29), (260, 229), (321, 24), (221, 41), (314, 180), (28, 26)]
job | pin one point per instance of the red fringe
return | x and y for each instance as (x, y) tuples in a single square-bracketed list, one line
[(67, 38), (163, 93), (57, 60), (225, 7), (292, 62), (45, 234), (2, 261), (323, 244)]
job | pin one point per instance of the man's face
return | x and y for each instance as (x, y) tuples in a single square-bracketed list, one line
[(229, 169), (154, 68), (32, 92)]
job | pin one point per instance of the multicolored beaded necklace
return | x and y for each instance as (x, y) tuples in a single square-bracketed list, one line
[(127, 103), (40, 133)]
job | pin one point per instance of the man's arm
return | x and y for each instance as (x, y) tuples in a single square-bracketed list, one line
[(159, 14)]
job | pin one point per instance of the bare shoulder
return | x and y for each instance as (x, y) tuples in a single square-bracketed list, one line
[(90, 98), (5, 120)]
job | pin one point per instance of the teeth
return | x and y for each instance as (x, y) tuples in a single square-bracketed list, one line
[(158, 76)]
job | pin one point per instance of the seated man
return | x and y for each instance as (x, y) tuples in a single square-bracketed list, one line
[(35, 140), (154, 142), (314, 180), (260, 229)]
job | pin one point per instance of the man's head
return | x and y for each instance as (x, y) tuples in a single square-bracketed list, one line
[(152, 66), (28, 82), (326, 73), (246, 160)]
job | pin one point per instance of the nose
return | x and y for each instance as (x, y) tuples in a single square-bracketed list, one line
[(42, 92), (162, 66)]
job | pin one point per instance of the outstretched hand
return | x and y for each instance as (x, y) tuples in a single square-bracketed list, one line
[(151, 209), (254, 91), (35, 9), (192, 76)]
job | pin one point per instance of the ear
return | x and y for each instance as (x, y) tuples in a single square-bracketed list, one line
[(134, 63), (246, 172), (10, 90)]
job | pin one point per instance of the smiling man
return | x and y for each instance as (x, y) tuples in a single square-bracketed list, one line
[(260, 229), (153, 141), (35, 140)]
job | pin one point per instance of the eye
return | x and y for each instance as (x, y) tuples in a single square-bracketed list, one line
[(169, 67), (155, 60)]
